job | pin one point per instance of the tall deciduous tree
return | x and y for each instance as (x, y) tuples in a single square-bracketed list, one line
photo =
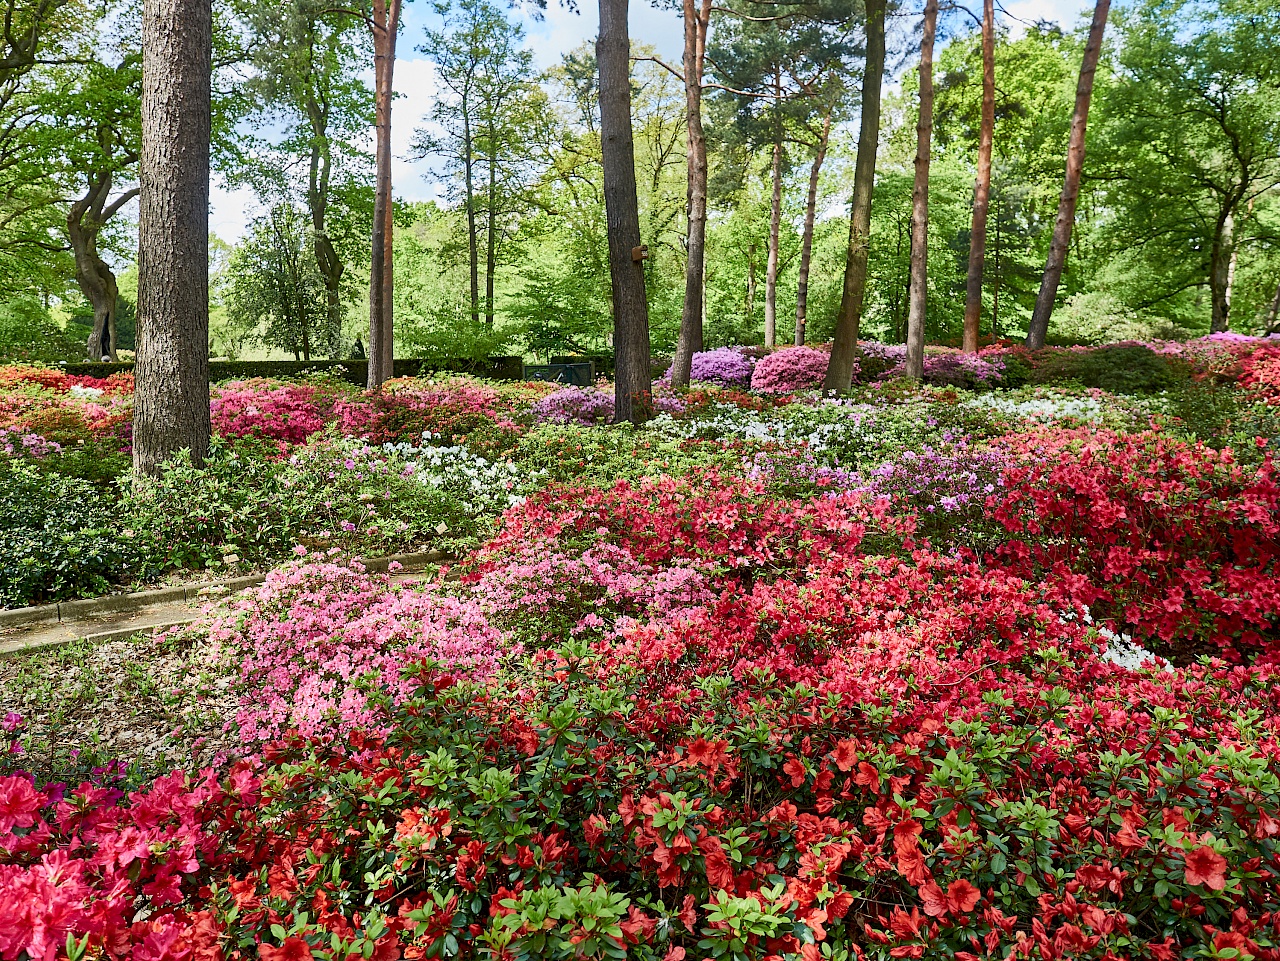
[(385, 24), (844, 346), (919, 292), (479, 131), (697, 21), (632, 378), (171, 402), (313, 110), (1058, 247), (982, 188)]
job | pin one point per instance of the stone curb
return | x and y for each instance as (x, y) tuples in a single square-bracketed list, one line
[(120, 603)]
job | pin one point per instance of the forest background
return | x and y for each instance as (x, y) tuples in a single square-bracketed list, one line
[(497, 123)]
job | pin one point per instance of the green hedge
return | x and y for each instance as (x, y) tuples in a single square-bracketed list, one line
[(355, 371)]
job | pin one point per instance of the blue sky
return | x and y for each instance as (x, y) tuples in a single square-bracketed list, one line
[(557, 32)]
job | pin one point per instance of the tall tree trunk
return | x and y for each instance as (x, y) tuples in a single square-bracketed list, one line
[(328, 263), (491, 240), (171, 400), (386, 23), (981, 189), (632, 380), (806, 243), (1222, 271), (918, 295), (697, 17), (1061, 243), (473, 243), (995, 293), (775, 223), (844, 347)]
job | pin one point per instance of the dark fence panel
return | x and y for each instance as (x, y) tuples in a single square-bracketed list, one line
[(354, 371)]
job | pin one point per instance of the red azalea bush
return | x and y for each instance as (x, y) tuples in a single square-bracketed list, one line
[(1175, 542), (1260, 373)]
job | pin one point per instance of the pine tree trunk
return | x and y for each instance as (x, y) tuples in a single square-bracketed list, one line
[(386, 21), (171, 399), (918, 293), (806, 243), (844, 347), (632, 381), (775, 227), (982, 189), (696, 20), (1038, 330), (328, 263)]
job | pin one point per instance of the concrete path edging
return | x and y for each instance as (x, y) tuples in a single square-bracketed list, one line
[(67, 612)]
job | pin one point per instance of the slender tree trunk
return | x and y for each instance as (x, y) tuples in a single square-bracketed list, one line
[(473, 244), (386, 22), (1061, 243), (1272, 324), (775, 224), (995, 293), (918, 295), (1222, 272), (982, 189), (697, 16), (328, 263), (491, 240), (171, 400), (632, 380), (844, 347), (806, 243)]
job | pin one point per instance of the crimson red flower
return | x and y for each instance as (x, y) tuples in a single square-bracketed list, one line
[(1206, 866), (293, 949)]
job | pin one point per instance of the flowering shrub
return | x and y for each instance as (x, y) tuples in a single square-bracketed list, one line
[(313, 636), (1260, 373), (790, 369), (575, 405), (288, 414), (726, 366), (1173, 541), (17, 444)]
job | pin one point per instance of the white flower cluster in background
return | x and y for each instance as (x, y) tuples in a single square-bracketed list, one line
[(484, 486), (85, 393), (1040, 408)]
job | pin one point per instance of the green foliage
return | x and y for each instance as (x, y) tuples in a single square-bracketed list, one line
[(579, 454), (28, 333), (1120, 369), (60, 537)]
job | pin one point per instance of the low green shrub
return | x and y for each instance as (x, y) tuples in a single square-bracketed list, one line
[(60, 537)]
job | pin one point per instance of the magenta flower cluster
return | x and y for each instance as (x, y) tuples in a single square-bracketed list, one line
[(288, 414), (16, 443), (790, 369)]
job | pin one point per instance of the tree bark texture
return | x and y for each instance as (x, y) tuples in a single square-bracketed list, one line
[(806, 241), (918, 293), (697, 17), (85, 220), (386, 23), (775, 227), (491, 238), (1061, 243), (1272, 324), (473, 248), (982, 188), (1222, 272), (632, 380), (844, 347), (328, 263), (171, 399)]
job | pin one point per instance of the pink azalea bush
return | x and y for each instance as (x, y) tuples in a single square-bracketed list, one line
[(287, 414), (726, 366), (790, 369), (311, 639)]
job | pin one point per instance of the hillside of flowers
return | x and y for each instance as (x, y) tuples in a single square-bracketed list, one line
[(980, 668)]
